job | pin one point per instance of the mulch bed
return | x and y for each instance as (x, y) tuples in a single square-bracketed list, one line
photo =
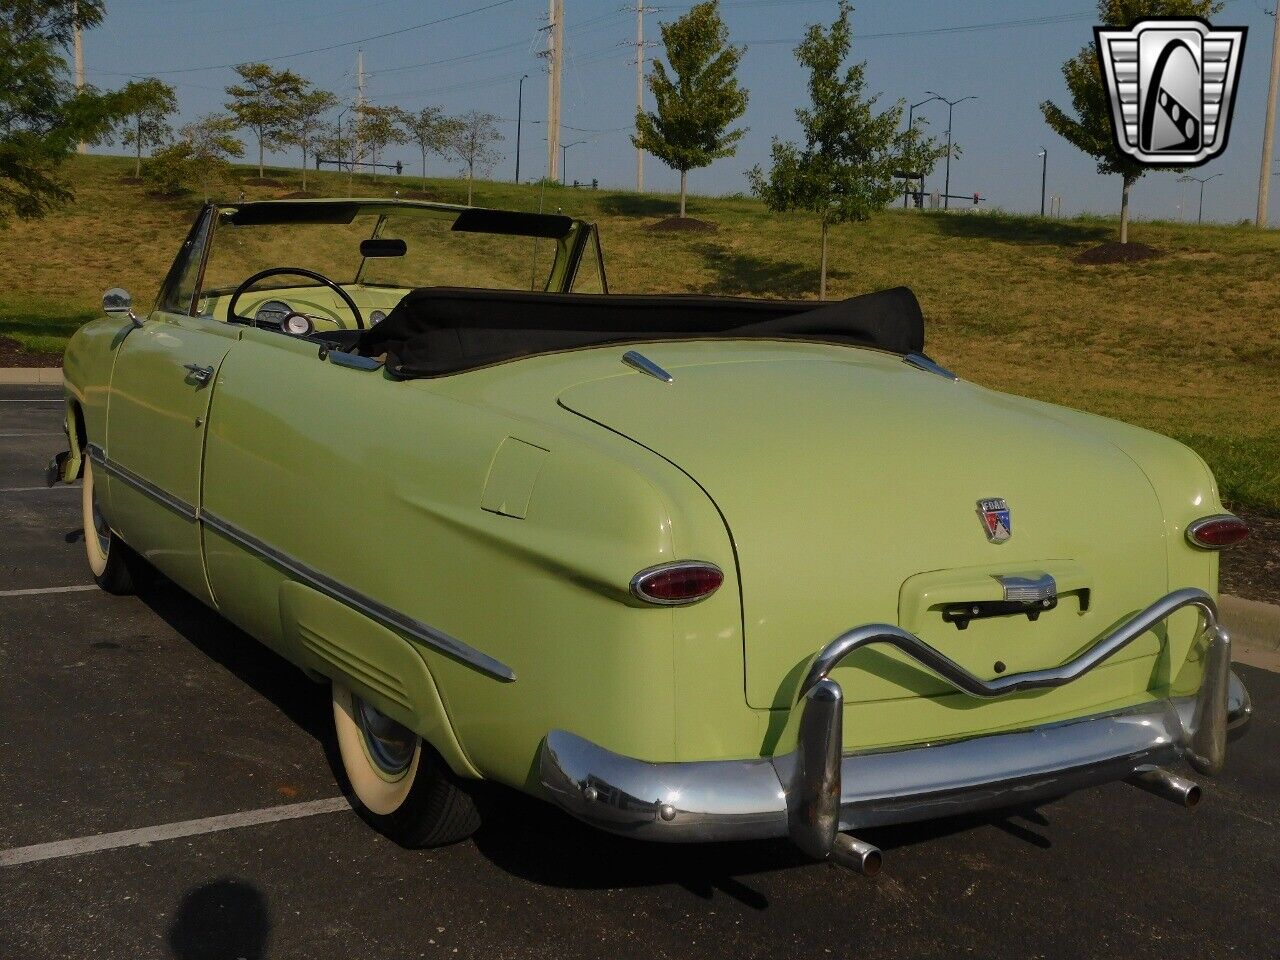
[(14, 354), (419, 195), (1252, 569), (263, 182), (132, 181), (299, 195), (683, 225), (1113, 252)]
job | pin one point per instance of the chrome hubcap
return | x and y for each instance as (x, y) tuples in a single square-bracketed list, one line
[(390, 745)]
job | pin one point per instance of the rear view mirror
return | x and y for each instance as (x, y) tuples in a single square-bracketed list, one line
[(379, 247)]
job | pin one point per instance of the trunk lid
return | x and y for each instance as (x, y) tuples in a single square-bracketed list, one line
[(849, 482)]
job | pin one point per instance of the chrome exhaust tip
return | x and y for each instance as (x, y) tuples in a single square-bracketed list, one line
[(1164, 784), (854, 854)]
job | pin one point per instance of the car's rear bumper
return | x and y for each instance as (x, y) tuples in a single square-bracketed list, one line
[(814, 791)]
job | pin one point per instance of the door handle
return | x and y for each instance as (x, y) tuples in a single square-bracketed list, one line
[(198, 373)]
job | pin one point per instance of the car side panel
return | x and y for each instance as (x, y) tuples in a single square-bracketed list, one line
[(377, 485)]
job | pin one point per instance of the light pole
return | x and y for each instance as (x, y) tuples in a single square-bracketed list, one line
[(1044, 173), (564, 160), (911, 111), (1202, 181), (946, 189), (519, 117)]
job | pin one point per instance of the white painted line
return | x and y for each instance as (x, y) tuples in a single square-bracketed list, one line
[(33, 591), (168, 831), (64, 486), (33, 400), (32, 434)]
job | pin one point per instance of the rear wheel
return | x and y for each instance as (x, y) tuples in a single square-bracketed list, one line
[(405, 791), (115, 567)]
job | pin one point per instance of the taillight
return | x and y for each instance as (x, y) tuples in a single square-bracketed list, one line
[(674, 584), (1217, 532)]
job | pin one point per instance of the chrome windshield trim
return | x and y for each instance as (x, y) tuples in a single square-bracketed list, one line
[(127, 476), (921, 362), (638, 361), (436, 639)]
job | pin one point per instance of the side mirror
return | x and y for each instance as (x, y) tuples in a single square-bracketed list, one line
[(117, 302)]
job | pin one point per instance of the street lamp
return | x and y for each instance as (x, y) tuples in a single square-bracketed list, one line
[(911, 110), (946, 201), (519, 117), (564, 159), (1044, 172), (1202, 181)]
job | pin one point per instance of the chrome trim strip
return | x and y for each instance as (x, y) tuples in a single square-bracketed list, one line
[(124, 474), (436, 639), (921, 362), (353, 360), (636, 359)]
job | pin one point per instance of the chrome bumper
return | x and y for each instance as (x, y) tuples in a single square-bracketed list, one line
[(813, 792)]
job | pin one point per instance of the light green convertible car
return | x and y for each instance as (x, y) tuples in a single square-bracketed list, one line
[(690, 568)]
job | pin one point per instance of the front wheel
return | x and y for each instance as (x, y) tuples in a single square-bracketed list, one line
[(404, 790), (115, 567)]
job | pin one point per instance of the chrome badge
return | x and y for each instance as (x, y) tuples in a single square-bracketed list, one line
[(1172, 85), (994, 514)]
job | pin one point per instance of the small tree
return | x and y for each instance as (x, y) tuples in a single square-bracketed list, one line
[(475, 140), (377, 129), (845, 168), (210, 144), (305, 127), (690, 127), (430, 129), (149, 103), (1090, 131), (263, 101), (42, 117)]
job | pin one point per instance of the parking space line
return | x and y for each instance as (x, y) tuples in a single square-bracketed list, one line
[(10, 435), (33, 400), (33, 591), (64, 486), (168, 831)]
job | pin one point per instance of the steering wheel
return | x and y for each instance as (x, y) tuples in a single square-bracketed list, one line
[(234, 317)]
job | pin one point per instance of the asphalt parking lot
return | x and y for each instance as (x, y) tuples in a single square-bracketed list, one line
[(123, 713)]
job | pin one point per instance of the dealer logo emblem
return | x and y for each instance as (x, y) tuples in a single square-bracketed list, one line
[(1172, 86), (996, 521)]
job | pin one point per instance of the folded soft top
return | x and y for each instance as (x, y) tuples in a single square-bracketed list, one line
[(436, 331)]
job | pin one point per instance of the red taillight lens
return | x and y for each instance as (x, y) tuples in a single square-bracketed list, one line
[(672, 584), (1217, 532)]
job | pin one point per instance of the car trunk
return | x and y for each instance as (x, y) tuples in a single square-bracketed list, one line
[(850, 489)]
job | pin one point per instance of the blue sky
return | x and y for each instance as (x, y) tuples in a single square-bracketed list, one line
[(475, 61)]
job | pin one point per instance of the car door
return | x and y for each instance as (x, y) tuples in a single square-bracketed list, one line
[(164, 378)]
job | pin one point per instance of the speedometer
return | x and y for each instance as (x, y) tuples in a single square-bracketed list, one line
[(273, 312)]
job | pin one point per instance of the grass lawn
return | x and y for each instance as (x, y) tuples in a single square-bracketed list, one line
[(1187, 344)]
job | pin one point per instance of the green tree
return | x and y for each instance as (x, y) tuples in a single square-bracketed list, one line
[(202, 154), (149, 103), (475, 142), (376, 129), (262, 102), (1090, 130), (698, 99), (42, 116), (845, 168), (430, 129), (304, 126)]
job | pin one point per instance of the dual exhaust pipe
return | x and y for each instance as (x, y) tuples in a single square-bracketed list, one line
[(861, 857)]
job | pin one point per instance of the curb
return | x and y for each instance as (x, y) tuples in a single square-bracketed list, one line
[(51, 376), (1251, 623)]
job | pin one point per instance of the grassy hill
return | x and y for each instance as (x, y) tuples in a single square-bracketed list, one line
[(1187, 344)]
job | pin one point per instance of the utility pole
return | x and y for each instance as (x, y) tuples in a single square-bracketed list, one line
[(357, 150), (555, 58), (1044, 173), (82, 147), (519, 122), (1269, 131), (911, 119), (641, 10), (946, 189), (1202, 181)]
